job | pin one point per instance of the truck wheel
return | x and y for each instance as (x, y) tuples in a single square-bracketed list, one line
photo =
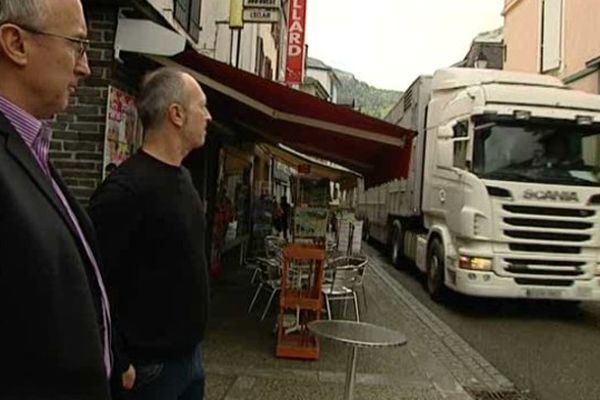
[(397, 250), (435, 271)]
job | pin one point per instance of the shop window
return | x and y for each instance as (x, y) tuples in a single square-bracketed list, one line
[(264, 66), (187, 14)]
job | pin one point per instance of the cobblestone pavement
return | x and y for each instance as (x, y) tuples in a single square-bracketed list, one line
[(467, 366)]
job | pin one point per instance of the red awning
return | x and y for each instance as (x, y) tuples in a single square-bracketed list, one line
[(378, 150)]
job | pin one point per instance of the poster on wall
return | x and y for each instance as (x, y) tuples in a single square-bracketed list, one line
[(123, 135)]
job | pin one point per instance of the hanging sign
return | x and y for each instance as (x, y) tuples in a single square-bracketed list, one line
[(261, 15), (304, 168), (262, 3), (294, 69), (235, 14)]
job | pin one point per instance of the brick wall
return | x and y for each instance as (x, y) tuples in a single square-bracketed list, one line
[(77, 148), (78, 135)]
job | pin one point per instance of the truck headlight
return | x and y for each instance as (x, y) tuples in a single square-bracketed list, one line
[(475, 263)]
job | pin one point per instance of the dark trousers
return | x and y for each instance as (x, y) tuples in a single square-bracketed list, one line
[(179, 379)]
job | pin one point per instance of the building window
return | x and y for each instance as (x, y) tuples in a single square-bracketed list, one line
[(260, 55), (264, 66), (551, 40), (187, 13), (408, 99)]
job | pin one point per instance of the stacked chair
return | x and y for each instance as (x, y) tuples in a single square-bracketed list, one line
[(344, 277), (267, 272)]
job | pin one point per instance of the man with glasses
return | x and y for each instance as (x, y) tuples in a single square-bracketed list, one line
[(81, 45), (54, 312)]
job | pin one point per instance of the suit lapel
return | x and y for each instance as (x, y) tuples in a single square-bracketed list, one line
[(18, 149), (82, 217)]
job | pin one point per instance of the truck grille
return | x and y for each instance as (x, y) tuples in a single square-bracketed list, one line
[(544, 282), (567, 226), (547, 267), (558, 212), (544, 248), (554, 231), (560, 237), (540, 223)]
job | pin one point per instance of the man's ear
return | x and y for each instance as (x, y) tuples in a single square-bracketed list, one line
[(12, 44), (177, 115)]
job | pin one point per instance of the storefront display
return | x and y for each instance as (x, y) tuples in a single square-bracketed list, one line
[(262, 220), (231, 226), (310, 222), (311, 191)]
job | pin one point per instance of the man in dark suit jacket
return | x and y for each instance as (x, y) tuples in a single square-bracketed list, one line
[(54, 318)]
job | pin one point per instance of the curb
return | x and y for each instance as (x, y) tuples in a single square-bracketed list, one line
[(467, 365)]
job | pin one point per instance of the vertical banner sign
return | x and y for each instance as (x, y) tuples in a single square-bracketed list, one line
[(295, 47), (235, 14)]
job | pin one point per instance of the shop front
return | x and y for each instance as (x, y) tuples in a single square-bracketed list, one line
[(241, 169)]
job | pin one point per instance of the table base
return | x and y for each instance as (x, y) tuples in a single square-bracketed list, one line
[(350, 374)]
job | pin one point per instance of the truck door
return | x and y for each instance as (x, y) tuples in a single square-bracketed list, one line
[(451, 160)]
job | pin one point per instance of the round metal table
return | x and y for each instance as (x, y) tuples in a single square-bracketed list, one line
[(355, 334)]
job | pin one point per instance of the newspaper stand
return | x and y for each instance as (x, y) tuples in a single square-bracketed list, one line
[(301, 295)]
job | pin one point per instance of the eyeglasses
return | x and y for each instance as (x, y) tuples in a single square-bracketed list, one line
[(82, 44)]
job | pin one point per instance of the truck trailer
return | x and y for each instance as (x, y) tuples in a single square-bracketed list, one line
[(502, 195)]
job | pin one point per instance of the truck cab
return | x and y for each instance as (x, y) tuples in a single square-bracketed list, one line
[(503, 197)]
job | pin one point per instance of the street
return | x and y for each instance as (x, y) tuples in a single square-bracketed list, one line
[(549, 349)]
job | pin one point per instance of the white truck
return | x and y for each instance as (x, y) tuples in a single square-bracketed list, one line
[(502, 196)]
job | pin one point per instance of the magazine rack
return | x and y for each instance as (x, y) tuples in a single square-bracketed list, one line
[(300, 298)]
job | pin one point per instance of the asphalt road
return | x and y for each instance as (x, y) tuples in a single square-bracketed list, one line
[(546, 348)]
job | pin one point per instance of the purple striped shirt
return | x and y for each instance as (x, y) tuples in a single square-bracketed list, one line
[(36, 135)]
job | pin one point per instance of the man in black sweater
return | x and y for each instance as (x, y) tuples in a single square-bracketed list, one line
[(151, 228)]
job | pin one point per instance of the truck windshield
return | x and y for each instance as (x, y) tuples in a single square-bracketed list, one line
[(544, 152)]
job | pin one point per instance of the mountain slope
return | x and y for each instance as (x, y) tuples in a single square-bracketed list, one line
[(368, 99)]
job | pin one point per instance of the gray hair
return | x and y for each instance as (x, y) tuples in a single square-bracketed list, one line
[(28, 13), (160, 89)]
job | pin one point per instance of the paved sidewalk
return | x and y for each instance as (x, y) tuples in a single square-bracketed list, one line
[(435, 364)]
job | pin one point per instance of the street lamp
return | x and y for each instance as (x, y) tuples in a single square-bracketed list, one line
[(481, 61)]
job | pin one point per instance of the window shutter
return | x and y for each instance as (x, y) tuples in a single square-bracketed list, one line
[(195, 12), (551, 34), (182, 13)]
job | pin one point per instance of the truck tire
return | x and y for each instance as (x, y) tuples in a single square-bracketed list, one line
[(436, 271), (397, 247)]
